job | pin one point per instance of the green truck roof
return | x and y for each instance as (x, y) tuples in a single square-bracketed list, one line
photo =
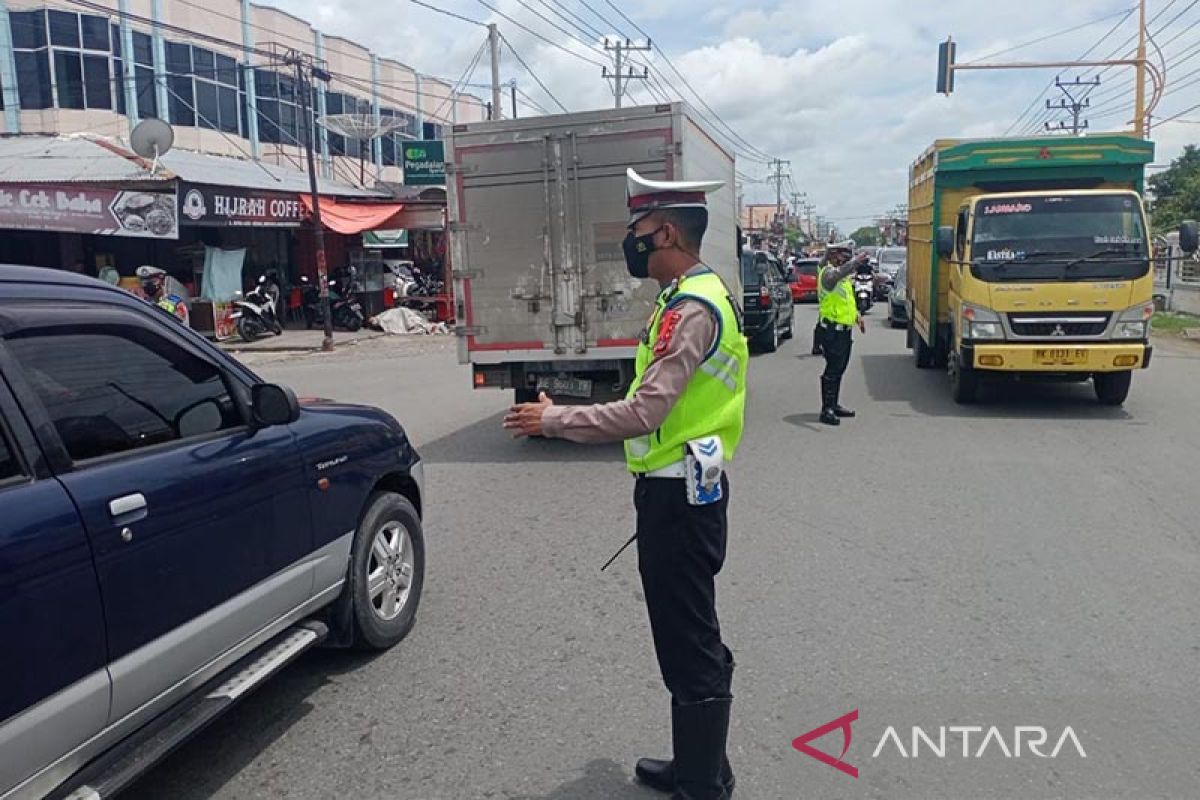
[(1113, 158)]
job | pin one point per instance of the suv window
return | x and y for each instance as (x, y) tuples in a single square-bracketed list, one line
[(9, 466), (110, 389)]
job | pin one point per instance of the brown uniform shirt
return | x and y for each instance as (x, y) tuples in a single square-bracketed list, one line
[(677, 354)]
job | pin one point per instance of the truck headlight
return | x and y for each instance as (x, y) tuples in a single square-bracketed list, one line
[(1134, 323), (981, 323)]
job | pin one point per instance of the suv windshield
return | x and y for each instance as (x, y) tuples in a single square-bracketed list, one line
[(1054, 238), (807, 266)]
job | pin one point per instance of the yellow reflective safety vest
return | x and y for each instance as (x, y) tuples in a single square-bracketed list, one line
[(837, 305), (714, 401)]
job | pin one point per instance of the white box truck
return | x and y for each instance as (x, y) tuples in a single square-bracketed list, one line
[(537, 214)]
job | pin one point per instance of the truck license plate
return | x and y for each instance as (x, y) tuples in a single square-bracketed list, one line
[(1061, 356), (569, 387)]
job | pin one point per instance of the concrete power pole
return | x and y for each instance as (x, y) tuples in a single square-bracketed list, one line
[(622, 73), (494, 43), (1139, 125), (1073, 103), (778, 177)]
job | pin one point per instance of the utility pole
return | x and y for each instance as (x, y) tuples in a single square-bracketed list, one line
[(796, 198), (778, 177), (306, 66), (1139, 119), (494, 44), (1072, 103), (513, 87), (622, 74)]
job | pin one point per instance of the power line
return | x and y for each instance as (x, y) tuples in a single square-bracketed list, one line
[(467, 73), (1087, 53), (1050, 36), (731, 132), (532, 74), (431, 7), (534, 33)]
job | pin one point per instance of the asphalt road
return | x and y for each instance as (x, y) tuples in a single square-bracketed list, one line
[(1031, 561)]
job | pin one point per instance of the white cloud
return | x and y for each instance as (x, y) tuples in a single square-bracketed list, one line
[(843, 89)]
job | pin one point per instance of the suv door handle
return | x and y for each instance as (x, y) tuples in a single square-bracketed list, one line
[(128, 504)]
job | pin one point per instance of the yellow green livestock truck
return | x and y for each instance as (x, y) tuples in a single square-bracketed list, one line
[(1031, 259)]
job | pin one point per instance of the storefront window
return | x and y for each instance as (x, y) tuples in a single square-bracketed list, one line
[(76, 72)]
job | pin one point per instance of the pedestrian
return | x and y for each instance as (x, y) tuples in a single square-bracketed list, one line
[(681, 423), (838, 314)]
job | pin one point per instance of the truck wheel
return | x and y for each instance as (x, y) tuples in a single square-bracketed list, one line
[(964, 383), (387, 571), (1112, 387), (923, 352)]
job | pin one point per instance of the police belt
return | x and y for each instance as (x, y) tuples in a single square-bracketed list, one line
[(676, 470), (837, 326)]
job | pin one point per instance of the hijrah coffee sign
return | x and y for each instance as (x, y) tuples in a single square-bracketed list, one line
[(76, 209), (219, 205)]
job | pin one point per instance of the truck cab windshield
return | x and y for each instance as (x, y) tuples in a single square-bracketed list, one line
[(1059, 238)]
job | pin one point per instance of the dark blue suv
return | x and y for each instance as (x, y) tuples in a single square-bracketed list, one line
[(172, 532)]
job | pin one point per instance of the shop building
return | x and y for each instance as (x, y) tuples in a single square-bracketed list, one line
[(209, 70)]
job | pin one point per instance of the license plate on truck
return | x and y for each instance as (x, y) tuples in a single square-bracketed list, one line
[(567, 387), (1061, 356)]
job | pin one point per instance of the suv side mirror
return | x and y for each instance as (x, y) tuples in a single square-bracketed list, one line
[(271, 404), (945, 241), (1188, 237)]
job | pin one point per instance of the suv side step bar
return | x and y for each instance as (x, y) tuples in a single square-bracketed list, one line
[(120, 767)]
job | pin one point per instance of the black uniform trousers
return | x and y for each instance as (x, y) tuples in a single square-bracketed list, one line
[(835, 345), (681, 548)]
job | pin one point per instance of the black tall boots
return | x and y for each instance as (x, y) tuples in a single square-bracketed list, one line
[(832, 412), (700, 770)]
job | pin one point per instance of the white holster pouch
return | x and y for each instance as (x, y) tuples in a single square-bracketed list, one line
[(705, 464)]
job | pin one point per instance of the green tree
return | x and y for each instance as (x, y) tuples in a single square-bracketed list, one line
[(1176, 191), (866, 236)]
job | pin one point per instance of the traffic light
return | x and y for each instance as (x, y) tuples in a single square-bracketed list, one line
[(945, 76)]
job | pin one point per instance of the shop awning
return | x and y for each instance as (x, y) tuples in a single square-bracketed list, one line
[(351, 218)]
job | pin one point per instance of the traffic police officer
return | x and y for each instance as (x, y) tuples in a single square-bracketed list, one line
[(684, 409), (838, 314)]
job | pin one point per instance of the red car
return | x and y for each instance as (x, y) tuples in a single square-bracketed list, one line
[(803, 279)]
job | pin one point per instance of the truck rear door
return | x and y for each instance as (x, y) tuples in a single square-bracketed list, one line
[(539, 222)]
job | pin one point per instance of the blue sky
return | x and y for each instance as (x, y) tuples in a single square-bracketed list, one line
[(844, 90)]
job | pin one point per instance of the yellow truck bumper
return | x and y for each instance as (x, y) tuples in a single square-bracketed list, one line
[(1065, 357)]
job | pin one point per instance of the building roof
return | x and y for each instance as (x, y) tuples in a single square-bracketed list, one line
[(80, 158), (70, 159), (215, 170)]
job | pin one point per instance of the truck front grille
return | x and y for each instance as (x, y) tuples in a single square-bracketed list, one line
[(1037, 326)]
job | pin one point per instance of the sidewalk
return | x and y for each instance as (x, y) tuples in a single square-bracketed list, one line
[(297, 341)]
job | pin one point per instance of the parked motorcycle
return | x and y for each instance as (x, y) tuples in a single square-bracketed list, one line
[(257, 312), (344, 308), (864, 292)]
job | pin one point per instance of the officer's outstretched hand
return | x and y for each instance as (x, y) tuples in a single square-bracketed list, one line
[(526, 419), (862, 325)]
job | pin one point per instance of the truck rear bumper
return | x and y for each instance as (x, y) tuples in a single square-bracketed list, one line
[(1057, 357)]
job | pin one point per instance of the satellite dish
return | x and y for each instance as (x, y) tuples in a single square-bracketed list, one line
[(152, 138)]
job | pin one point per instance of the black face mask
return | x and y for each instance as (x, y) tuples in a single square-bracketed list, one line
[(637, 253)]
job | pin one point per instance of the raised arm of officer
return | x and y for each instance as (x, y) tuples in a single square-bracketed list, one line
[(831, 276)]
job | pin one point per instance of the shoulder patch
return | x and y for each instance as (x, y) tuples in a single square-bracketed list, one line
[(666, 330)]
